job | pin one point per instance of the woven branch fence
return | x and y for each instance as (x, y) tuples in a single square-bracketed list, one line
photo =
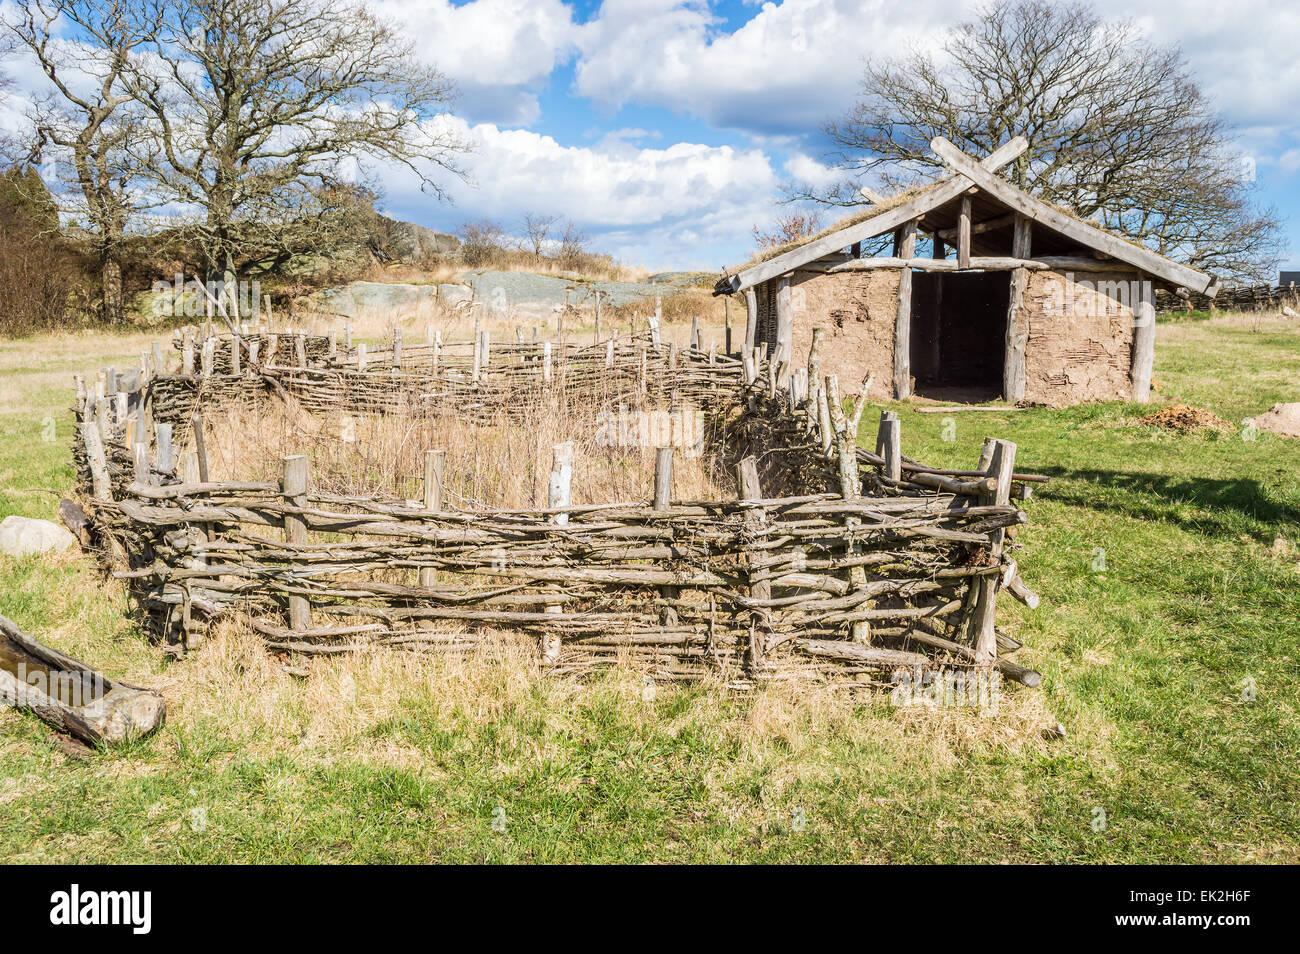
[(833, 561)]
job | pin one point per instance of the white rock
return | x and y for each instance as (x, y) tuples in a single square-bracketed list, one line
[(452, 294), (23, 536)]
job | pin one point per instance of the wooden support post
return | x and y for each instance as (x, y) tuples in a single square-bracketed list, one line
[(159, 365), (294, 488), (983, 634), (759, 618), (187, 354), (234, 355), (546, 362), (963, 234), (782, 350), (726, 322), (254, 346), (609, 354), (434, 360), (906, 243), (300, 348), (1144, 343), (597, 296), (397, 349), (347, 336), (695, 333), (751, 319), (435, 462), (361, 356), (557, 498), (485, 347), (1017, 336)]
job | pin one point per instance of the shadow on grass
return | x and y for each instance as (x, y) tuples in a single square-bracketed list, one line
[(1151, 496)]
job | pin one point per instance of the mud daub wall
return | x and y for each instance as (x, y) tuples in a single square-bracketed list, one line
[(1080, 344), (856, 310)]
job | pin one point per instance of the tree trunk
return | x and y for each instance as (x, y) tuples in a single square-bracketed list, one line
[(110, 272)]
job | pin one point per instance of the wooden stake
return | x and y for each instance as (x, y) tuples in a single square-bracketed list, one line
[(294, 488), (435, 462), (557, 497), (747, 482), (1001, 466)]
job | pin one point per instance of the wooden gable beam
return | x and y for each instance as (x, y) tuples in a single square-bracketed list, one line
[(943, 191), (1024, 203)]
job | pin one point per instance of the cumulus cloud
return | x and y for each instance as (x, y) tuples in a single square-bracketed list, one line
[(784, 71), (659, 206), (500, 53)]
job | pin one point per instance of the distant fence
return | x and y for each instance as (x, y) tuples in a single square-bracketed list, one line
[(1244, 298)]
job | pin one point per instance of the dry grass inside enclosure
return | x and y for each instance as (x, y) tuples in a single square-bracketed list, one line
[(503, 463)]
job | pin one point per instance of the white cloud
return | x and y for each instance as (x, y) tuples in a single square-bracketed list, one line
[(656, 206), (786, 70), (498, 52), (803, 168)]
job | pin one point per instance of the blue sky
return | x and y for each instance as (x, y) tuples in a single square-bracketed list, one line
[(665, 128)]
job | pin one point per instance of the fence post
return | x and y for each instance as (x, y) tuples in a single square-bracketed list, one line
[(557, 497), (434, 465), (163, 434), (759, 620), (93, 437), (294, 488), (662, 499), (889, 445), (546, 363), (1001, 465), (209, 353)]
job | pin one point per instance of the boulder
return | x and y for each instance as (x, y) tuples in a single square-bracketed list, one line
[(24, 536), (452, 295), (408, 242), (353, 299)]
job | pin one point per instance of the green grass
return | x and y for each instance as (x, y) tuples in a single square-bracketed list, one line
[(1147, 664)]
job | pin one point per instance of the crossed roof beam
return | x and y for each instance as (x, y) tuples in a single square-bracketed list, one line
[(969, 173)]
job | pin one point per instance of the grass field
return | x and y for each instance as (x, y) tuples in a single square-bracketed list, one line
[(1168, 639)]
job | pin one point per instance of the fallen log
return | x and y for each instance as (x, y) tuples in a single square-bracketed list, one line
[(71, 696)]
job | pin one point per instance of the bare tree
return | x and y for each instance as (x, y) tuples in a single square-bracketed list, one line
[(258, 105), (791, 227), (1117, 130), (481, 242), (537, 228), (572, 253), (93, 123)]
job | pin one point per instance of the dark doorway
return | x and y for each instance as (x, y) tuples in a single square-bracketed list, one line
[(959, 323)]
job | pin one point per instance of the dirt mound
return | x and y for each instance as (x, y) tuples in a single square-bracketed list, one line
[(1184, 418), (1281, 419)]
